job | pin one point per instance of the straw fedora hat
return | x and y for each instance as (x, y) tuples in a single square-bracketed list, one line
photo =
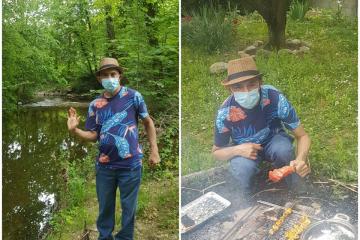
[(240, 70), (107, 63)]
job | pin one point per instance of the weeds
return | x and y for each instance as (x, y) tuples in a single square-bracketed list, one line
[(209, 30), (298, 10)]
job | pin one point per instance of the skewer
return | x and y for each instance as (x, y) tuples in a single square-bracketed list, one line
[(294, 211)]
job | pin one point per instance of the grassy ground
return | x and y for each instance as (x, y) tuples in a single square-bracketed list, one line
[(157, 211), (322, 86)]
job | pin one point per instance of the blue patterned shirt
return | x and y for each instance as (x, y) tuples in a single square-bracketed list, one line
[(257, 125), (116, 122)]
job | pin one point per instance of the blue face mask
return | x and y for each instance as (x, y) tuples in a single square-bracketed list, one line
[(247, 100), (110, 84)]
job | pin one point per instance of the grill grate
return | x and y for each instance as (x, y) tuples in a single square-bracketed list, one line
[(202, 209), (257, 226)]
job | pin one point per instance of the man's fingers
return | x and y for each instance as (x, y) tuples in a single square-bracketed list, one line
[(257, 146), (253, 156), (71, 112)]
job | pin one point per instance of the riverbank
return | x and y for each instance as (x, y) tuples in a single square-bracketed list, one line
[(157, 212)]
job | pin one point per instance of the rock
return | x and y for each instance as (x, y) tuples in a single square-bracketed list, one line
[(304, 49), (218, 67), (243, 54), (294, 43), (285, 51), (258, 43), (306, 44), (263, 52), (250, 50)]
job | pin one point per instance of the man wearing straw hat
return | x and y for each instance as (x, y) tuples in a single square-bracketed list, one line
[(254, 117), (112, 121)]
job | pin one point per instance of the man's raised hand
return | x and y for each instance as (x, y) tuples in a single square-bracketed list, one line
[(73, 119)]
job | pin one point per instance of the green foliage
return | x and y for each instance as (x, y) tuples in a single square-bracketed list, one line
[(321, 85), (298, 9), (52, 45), (209, 30), (75, 192)]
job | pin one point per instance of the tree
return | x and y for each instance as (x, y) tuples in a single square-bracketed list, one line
[(274, 14)]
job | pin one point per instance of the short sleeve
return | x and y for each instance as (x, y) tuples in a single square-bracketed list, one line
[(222, 129), (140, 106), (287, 114), (90, 123)]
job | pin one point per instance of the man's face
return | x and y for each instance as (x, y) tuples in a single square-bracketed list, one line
[(246, 86), (108, 73)]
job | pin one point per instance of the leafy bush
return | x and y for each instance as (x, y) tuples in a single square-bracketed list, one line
[(298, 9), (209, 30)]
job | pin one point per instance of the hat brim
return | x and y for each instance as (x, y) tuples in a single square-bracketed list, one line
[(97, 73), (225, 82)]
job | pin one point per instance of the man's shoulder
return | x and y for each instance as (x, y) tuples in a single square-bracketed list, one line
[(270, 88), (131, 92), (96, 99), (227, 102), (270, 92)]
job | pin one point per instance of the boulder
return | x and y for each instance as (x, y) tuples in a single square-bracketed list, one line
[(218, 67), (251, 50), (285, 51), (258, 43), (263, 52), (243, 54), (304, 49), (306, 44), (293, 43)]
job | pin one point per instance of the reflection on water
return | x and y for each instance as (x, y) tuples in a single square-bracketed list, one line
[(33, 140)]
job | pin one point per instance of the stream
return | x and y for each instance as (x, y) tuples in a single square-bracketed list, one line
[(33, 139)]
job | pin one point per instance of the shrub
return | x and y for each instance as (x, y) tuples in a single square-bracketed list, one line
[(298, 9), (208, 30)]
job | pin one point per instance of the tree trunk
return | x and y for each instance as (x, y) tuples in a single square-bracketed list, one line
[(110, 30), (277, 23), (276, 35), (274, 14), (151, 12)]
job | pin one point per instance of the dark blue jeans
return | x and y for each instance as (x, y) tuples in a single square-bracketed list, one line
[(279, 152), (107, 182)]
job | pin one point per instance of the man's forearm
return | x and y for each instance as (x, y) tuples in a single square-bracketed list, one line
[(303, 147), (151, 134), (86, 135), (225, 153)]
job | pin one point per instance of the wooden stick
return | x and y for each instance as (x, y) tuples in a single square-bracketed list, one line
[(343, 185), (214, 185), (268, 190), (320, 182), (192, 189)]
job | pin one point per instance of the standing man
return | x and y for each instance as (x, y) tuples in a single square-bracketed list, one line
[(113, 121), (254, 117)]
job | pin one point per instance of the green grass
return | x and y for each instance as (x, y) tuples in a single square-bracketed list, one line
[(322, 86), (157, 210)]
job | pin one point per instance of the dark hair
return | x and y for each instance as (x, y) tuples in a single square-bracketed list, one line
[(123, 80)]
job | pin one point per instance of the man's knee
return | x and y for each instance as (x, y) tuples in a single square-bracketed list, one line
[(243, 167), (281, 151), (284, 154)]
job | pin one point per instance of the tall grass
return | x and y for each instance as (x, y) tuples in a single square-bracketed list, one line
[(298, 9), (209, 30)]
